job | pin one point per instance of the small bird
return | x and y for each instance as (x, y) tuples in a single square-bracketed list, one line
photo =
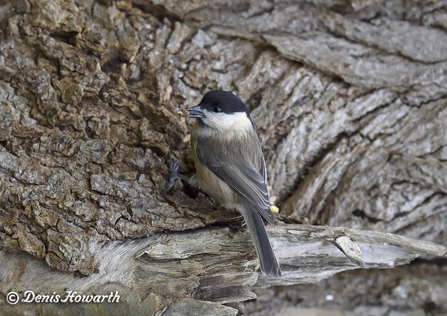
[(231, 168)]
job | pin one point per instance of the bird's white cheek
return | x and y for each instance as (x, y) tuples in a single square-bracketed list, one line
[(236, 122)]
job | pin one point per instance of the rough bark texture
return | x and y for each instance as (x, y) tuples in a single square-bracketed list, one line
[(350, 102), (362, 292)]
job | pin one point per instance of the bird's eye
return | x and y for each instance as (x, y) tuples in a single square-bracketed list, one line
[(217, 109)]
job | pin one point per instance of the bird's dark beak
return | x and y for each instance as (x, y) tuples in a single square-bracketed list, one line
[(195, 112)]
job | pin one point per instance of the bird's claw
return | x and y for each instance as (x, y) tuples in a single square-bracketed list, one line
[(173, 168)]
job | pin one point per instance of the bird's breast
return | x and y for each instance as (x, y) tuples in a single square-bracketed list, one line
[(210, 183)]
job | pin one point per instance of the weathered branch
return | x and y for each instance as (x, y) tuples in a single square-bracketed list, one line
[(216, 265)]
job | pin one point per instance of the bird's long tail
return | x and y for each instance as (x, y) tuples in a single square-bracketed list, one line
[(267, 258)]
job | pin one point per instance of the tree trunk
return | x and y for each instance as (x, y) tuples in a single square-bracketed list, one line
[(350, 102)]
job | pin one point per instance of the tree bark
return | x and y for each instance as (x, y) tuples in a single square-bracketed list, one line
[(350, 102)]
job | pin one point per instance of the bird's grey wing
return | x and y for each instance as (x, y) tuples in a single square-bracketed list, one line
[(241, 175), (262, 170)]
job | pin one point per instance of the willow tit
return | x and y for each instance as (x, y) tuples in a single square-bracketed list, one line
[(231, 168)]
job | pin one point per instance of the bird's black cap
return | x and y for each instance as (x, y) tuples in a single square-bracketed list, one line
[(223, 101)]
